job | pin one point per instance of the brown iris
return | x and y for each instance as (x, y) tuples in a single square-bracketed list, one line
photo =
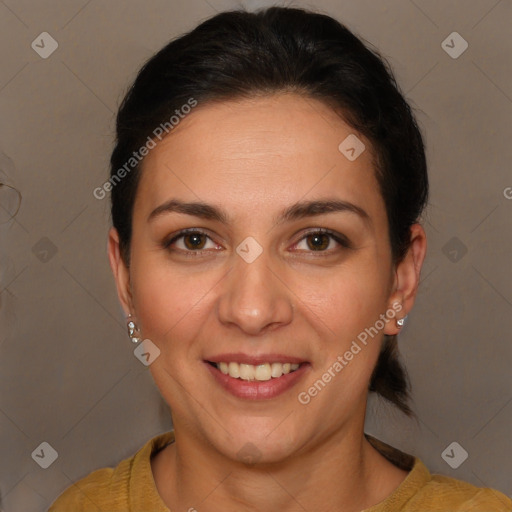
[(194, 240), (318, 241)]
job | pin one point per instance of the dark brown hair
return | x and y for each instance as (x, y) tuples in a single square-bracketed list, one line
[(238, 54)]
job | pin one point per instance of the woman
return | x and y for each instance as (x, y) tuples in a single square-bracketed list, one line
[(267, 184)]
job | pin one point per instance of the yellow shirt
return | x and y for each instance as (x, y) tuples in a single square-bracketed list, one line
[(130, 487)]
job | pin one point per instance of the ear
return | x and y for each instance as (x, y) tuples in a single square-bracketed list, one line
[(120, 271), (407, 278)]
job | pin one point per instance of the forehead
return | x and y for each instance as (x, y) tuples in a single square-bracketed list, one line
[(261, 152)]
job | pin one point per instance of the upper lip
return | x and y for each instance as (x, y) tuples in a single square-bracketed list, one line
[(254, 359)]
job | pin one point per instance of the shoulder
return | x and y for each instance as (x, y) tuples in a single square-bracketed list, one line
[(449, 492), (102, 489), (426, 492), (441, 493), (109, 488)]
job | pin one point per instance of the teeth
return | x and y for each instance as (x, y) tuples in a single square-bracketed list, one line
[(247, 371), (234, 370), (276, 370), (261, 372)]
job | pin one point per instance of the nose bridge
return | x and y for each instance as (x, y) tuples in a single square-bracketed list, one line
[(252, 297)]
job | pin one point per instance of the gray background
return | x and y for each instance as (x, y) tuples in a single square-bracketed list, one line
[(68, 375)]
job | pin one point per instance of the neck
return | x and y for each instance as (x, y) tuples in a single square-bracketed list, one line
[(324, 476)]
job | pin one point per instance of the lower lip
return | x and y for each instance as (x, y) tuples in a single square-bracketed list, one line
[(256, 389)]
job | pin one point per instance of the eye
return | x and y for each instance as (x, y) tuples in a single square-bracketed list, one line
[(322, 240), (190, 240), (194, 240)]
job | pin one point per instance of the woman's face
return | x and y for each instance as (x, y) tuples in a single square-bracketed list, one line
[(255, 282)]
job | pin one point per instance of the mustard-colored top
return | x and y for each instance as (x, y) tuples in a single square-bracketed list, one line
[(130, 487)]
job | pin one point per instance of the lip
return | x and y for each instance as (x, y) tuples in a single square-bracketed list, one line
[(254, 389)]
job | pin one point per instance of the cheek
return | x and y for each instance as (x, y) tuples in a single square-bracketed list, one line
[(342, 312), (166, 307), (172, 303), (343, 308), (345, 301), (172, 308)]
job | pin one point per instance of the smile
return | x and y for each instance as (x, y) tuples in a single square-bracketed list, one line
[(259, 377), (260, 372)]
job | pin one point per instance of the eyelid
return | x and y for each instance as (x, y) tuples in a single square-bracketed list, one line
[(339, 238), (176, 236)]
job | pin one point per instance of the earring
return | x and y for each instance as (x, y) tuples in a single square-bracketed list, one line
[(400, 322), (133, 329)]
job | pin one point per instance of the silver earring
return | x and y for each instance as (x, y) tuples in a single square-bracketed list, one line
[(400, 322), (133, 329)]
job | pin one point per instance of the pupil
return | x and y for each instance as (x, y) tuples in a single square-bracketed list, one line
[(194, 241), (319, 241)]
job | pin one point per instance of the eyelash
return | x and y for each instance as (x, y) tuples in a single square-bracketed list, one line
[(340, 239)]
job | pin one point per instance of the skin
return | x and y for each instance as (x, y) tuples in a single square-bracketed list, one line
[(254, 158)]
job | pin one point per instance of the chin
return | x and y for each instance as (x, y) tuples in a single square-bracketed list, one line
[(262, 442)]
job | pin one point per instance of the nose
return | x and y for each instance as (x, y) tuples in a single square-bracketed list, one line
[(254, 298)]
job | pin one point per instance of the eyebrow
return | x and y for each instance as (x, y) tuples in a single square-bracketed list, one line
[(296, 211)]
